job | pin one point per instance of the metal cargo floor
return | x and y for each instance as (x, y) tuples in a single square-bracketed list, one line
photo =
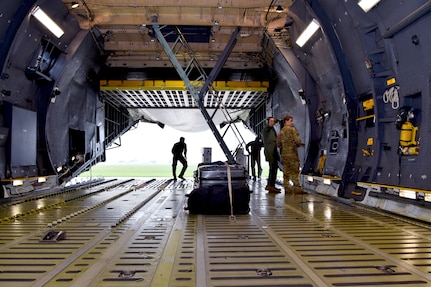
[(137, 233)]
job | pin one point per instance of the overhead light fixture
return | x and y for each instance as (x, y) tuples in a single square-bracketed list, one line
[(43, 18), (279, 9), (17, 182), (74, 5), (411, 194), (308, 32), (367, 5)]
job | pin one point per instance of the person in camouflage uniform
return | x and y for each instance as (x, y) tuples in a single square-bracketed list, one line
[(288, 140)]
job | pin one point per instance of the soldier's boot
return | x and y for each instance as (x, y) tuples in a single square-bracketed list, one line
[(298, 190), (287, 189)]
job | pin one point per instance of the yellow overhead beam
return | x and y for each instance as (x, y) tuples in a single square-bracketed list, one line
[(109, 85)]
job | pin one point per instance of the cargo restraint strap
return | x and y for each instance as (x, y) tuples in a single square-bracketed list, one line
[(229, 186)]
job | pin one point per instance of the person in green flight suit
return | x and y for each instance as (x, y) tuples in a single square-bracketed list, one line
[(269, 137)]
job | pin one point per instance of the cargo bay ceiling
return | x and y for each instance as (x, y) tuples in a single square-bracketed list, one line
[(140, 74)]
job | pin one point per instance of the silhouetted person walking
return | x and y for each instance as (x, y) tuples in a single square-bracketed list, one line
[(179, 151), (253, 149)]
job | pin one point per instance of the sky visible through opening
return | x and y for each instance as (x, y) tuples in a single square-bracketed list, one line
[(150, 144)]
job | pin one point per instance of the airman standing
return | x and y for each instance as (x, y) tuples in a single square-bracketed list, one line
[(288, 141)]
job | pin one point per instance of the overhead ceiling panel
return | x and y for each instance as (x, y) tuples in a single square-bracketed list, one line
[(130, 45), (148, 99), (208, 25)]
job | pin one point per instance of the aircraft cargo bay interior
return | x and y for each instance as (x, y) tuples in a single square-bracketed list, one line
[(336, 93)]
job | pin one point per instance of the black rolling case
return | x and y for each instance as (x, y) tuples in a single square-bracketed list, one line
[(217, 173), (211, 194)]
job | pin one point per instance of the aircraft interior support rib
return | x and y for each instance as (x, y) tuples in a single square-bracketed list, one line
[(349, 92), (77, 76)]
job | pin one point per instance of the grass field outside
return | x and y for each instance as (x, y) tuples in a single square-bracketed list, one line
[(140, 170), (135, 170)]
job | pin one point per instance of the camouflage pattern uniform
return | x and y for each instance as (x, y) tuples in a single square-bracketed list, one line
[(288, 141)]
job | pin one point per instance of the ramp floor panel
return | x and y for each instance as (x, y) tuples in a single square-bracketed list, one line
[(138, 233)]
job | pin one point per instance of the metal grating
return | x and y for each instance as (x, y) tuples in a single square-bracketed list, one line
[(230, 99), (137, 233), (240, 253), (344, 246)]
